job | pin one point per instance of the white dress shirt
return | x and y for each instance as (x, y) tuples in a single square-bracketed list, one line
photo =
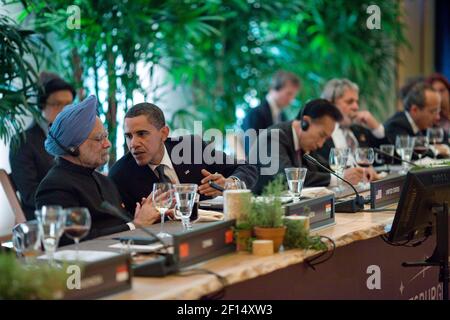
[(333, 179), (274, 109), (414, 126), (169, 170)]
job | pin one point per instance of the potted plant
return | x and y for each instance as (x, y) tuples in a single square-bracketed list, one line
[(266, 214)]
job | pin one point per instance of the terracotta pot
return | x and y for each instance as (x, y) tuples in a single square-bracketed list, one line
[(242, 238), (274, 234)]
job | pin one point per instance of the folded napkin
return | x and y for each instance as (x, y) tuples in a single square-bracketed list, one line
[(208, 216), (316, 192)]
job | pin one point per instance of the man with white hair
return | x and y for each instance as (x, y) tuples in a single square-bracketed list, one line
[(358, 128)]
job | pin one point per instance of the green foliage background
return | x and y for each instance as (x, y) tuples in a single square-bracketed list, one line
[(221, 52)]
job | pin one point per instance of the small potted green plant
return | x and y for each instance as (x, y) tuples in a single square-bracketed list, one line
[(266, 214)]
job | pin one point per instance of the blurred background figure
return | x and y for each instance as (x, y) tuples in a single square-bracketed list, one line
[(30, 162), (442, 86)]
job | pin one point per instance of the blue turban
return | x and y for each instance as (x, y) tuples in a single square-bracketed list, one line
[(72, 126)]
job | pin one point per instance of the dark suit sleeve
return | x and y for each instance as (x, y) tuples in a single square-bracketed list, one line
[(48, 195), (24, 173), (229, 166), (316, 176), (121, 182)]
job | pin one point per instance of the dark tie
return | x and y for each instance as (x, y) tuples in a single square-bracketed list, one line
[(162, 176)]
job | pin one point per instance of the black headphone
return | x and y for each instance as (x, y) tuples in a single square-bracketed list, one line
[(73, 151), (303, 123)]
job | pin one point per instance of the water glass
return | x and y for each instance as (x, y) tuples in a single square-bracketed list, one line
[(51, 220), (338, 161), (404, 146), (185, 195), (295, 178), (26, 238)]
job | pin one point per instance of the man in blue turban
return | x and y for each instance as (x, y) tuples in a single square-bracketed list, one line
[(80, 142)]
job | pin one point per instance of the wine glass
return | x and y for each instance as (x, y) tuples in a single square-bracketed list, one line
[(364, 158), (51, 220), (185, 195), (77, 225), (26, 238), (421, 146), (162, 200), (295, 178), (404, 146), (435, 136), (338, 161)]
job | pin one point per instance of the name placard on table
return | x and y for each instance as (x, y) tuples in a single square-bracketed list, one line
[(386, 191)]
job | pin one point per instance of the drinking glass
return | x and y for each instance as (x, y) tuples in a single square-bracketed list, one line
[(185, 194), (51, 221), (404, 146), (162, 200), (77, 225), (295, 178), (364, 158), (338, 161), (26, 239), (421, 146), (387, 155), (435, 136), (235, 185)]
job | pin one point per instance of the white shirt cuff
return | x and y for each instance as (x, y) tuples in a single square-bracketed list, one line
[(131, 225), (379, 132)]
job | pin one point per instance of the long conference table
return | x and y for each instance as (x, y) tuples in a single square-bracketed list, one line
[(363, 267)]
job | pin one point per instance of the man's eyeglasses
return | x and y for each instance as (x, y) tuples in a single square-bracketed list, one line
[(100, 137)]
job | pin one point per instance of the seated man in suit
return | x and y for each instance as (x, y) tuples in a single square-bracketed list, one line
[(287, 142), (357, 128), (422, 109), (29, 161), (79, 141), (154, 157), (283, 90), (442, 86)]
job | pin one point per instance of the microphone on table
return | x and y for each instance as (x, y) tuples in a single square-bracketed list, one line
[(119, 214), (394, 157), (354, 205), (164, 264)]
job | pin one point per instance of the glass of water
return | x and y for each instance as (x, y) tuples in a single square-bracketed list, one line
[(51, 221), (162, 200), (185, 194), (338, 161), (295, 178), (404, 146), (26, 239)]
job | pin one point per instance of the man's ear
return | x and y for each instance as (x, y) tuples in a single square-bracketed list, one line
[(165, 132), (413, 110)]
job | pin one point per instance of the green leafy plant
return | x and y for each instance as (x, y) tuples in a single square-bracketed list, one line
[(268, 212), (39, 281), (297, 236), (19, 60)]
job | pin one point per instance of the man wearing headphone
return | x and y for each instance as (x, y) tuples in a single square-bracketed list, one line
[(307, 133), (80, 142), (29, 161)]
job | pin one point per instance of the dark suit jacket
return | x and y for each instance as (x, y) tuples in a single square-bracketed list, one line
[(29, 165), (258, 118), (364, 136), (397, 125), (275, 162), (70, 185), (135, 182)]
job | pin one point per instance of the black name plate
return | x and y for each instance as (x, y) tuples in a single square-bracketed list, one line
[(320, 211), (385, 192)]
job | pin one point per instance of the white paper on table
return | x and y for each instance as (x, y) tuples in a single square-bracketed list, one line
[(137, 247), (83, 255), (209, 216), (314, 192)]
